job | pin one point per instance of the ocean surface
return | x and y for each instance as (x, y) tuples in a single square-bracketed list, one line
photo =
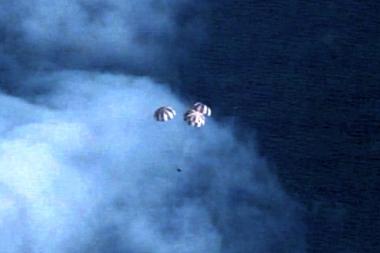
[(304, 77)]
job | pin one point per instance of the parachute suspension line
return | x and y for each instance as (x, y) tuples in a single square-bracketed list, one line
[(187, 147), (185, 152), (190, 145), (195, 117)]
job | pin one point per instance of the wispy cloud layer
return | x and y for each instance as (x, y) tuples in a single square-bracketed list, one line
[(84, 167)]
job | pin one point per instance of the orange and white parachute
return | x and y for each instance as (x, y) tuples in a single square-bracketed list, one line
[(202, 108), (194, 118), (164, 113)]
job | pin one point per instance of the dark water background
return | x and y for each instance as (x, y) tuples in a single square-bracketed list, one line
[(305, 76)]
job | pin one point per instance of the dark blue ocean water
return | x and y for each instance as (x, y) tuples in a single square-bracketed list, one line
[(305, 76)]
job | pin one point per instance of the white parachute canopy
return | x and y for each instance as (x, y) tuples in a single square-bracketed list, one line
[(164, 113), (194, 118), (202, 108)]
